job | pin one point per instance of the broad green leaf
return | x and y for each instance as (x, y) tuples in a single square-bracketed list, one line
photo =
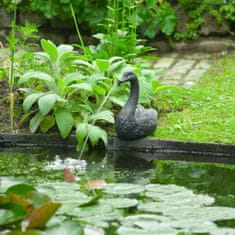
[(117, 101), (40, 216), (46, 103), (85, 65), (35, 122), (36, 75), (102, 64), (47, 123), (11, 213), (21, 189), (104, 115), (64, 49), (98, 90), (50, 48), (30, 100), (81, 132), (123, 188), (96, 133), (66, 228), (17, 199), (82, 86), (72, 77), (27, 232), (64, 120), (119, 202)]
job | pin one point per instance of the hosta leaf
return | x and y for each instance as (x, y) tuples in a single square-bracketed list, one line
[(96, 133), (104, 115), (102, 64), (35, 122), (64, 120), (81, 132), (47, 123), (30, 100), (36, 75), (50, 48), (85, 65), (82, 86), (41, 215), (62, 49), (46, 103), (98, 90)]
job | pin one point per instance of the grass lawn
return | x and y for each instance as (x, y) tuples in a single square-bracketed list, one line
[(209, 115)]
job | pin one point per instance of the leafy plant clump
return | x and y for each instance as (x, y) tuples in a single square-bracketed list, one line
[(67, 90)]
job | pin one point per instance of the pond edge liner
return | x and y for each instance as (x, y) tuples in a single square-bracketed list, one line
[(145, 146)]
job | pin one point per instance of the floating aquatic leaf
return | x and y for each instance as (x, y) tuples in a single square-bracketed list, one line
[(21, 189), (66, 228), (11, 213), (97, 212), (6, 182), (28, 232), (91, 230), (40, 216), (120, 202), (14, 198), (123, 188), (163, 230), (130, 220)]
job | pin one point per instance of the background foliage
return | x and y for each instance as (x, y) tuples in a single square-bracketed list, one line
[(152, 16)]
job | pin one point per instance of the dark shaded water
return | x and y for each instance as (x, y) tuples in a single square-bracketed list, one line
[(217, 180)]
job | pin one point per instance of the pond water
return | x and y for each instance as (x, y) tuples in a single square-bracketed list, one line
[(140, 197)]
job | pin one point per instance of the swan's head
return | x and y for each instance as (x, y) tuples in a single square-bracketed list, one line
[(127, 76)]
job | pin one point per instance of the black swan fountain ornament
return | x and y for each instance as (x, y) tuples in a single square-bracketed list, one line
[(134, 123)]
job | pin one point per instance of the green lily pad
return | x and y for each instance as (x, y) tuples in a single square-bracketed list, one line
[(91, 230), (12, 213), (28, 232), (6, 182), (21, 189), (123, 188), (120, 202), (66, 228), (100, 212), (160, 229), (130, 220)]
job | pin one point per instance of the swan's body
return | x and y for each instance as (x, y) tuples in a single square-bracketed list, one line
[(132, 122)]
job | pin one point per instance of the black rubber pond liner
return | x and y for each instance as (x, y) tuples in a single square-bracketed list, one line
[(147, 148)]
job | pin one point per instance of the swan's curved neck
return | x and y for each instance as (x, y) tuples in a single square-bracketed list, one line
[(131, 104)]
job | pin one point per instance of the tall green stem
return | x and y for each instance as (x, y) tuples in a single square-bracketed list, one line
[(77, 29), (93, 122), (11, 80)]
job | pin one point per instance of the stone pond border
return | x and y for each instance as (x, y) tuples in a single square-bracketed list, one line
[(147, 148)]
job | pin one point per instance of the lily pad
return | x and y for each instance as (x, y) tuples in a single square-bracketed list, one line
[(66, 228), (124, 188), (97, 212), (120, 202), (12, 213)]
